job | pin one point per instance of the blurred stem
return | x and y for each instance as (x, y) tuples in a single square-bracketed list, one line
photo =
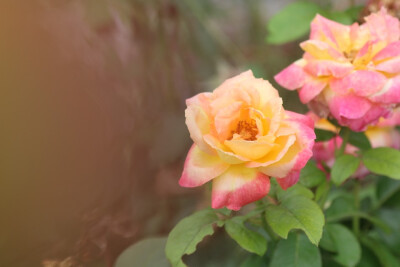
[(356, 218), (345, 140)]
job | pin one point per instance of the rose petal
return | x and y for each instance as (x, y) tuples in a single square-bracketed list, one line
[(328, 68), (390, 51), (320, 50), (363, 83), (198, 124), (200, 168), (383, 26), (223, 152), (390, 66), (251, 149), (349, 106), (226, 118), (239, 186), (300, 119), (202, 100), (390, 94), (282, 145), (372, 116), (310, 90), (291, 179), (331, 32), (292, 77), (299, 153)]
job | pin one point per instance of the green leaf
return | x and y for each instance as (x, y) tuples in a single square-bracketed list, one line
[(384, 255), (297, 212), (383, 160), (354, 12), (357, 139), (322, 192), (254, 261), (224, 211), (185, 236), (246, 238), (296, 251), (339, 16), (292, 22), (146, 253), (386, 188), (337, 238), (293, 191), (344, 166), (341, 205), (311, 175), (323, 135), (368, 258), (391, 217)]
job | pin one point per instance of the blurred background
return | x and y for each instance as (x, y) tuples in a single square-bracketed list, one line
[(92, 127)]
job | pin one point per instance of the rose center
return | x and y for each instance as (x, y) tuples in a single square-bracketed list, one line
[(247, 129), (350, 55)]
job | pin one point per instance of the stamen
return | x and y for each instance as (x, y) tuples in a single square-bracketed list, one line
[(247, 129), (351, 55)]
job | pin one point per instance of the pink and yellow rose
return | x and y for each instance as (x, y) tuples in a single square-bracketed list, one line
[(349, 72), (243, 136)]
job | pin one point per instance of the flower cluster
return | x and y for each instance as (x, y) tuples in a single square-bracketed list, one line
[(243, 136), (349, 72)]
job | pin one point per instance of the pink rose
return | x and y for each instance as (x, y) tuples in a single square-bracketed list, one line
[(243, 136), (349, 72)]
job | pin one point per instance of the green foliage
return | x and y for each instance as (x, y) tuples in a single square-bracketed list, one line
[(391, 217), (384, 255), (344, 166), (323, 135), (293, 192), (384, 161), (386, 188), (254, 261), (311, 175), (347, 16), (296, 251), (358, 139), (339, 16), (190, 231), (340, 240), (296, 211), (246, 238), (292, 22), (138, 254)]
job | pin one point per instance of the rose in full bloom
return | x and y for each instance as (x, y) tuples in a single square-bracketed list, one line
[(383, 134), (243, 136), (349, 72)]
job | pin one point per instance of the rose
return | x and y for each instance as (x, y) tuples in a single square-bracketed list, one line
[(349, 72), (242, 136)]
